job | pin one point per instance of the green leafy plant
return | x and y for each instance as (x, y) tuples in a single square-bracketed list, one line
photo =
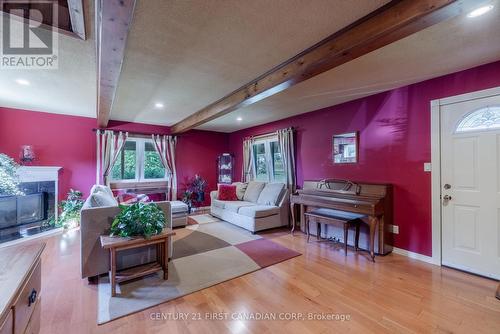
[(138, 219), (187, 197), (9, 181), (70, 209)]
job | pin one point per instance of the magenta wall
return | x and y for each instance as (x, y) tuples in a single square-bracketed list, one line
[(68, 141), (394, 144), (59, 140)]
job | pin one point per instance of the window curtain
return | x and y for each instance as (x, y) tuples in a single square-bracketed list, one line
[(248, 174), (165, 146), (109, 146), (287, 147)]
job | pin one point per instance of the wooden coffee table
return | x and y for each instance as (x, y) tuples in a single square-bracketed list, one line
[(116, 244)]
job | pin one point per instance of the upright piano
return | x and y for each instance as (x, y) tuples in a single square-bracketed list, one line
[(370, 199)]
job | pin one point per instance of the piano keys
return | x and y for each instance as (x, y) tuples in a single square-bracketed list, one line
[(373, 200)]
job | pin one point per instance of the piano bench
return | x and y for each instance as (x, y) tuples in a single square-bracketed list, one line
[(330, 216)]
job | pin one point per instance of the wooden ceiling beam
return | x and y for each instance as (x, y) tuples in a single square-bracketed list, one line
[(113, 20), (77, 18), (390, 23)]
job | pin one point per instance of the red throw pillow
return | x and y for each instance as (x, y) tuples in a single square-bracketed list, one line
[(227, 192)]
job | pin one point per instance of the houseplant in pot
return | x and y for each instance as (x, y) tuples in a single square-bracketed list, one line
[(70, 209), (187, 197), (197, 187), (139, 219)]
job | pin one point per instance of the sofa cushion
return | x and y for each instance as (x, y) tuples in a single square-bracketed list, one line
[(234, 206), (253, 191), (99, 199), (227, 192), (241, 187), (270, 194), (259, 211)]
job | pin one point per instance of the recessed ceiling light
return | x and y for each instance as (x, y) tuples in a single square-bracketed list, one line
[(22, 82), (239, 119), (480, 11), (158, 105)]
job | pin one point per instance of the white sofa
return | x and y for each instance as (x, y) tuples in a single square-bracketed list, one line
[(260, 206)]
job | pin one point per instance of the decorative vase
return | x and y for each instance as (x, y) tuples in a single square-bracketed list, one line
[(200, 196)]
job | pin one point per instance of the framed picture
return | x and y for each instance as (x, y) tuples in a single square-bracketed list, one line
[(345, 148)]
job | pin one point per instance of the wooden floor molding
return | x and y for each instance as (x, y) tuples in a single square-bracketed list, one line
[(396, 294), (415, 256)]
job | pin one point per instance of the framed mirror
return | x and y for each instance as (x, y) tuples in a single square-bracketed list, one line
[(345, 148)]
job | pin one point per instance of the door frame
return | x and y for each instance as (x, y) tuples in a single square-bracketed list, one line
[(436, 109)]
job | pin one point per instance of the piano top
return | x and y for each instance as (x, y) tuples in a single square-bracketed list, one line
[(344, 188)]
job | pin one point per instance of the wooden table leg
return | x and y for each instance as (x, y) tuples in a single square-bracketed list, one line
[(112, 273), (373, 230), (165, 260), (307, 229), (356, 237), (292, 212), (302, 216), (346, 233)]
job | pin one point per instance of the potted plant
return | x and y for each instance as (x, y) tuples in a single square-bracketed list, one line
[(138, 219), (187, 198), (197, 187), (9, 181), (70, 209)]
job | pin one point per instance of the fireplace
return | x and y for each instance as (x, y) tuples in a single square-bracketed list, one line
[(29, 214), (22, 210)]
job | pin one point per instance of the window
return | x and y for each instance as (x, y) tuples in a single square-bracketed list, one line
[(268, 163), (482, 119), (138, 161)]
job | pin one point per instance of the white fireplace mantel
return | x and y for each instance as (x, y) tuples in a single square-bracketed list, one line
[(38, 173)]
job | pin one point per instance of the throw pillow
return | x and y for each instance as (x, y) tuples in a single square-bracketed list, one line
[(253, 191), (270, 194), (99, 199), (240, 189), (227, 192), (131, 198)]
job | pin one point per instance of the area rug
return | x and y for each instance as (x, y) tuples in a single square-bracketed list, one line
[(206, 253)]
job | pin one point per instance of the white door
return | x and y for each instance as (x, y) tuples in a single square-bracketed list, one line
[(470, 174)]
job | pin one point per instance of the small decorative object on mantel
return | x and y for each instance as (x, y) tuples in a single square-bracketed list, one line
[(345, 148), (27, 154)]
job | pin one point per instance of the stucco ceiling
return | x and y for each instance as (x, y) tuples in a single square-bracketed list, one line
[(187, 54), (448, 47), (70, 89)]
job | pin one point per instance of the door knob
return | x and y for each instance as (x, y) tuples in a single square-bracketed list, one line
[(447, 198), (447, 186)]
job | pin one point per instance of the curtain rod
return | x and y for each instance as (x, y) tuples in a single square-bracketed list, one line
[(136, 133), (269, 134)]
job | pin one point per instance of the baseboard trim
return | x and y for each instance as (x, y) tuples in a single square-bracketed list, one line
[(415, 256)]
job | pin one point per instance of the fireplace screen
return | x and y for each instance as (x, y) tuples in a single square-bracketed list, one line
[(19, 210), (30, 208), (8, 212)]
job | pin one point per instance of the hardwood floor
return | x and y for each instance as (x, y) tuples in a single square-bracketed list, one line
[(395, 294)]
